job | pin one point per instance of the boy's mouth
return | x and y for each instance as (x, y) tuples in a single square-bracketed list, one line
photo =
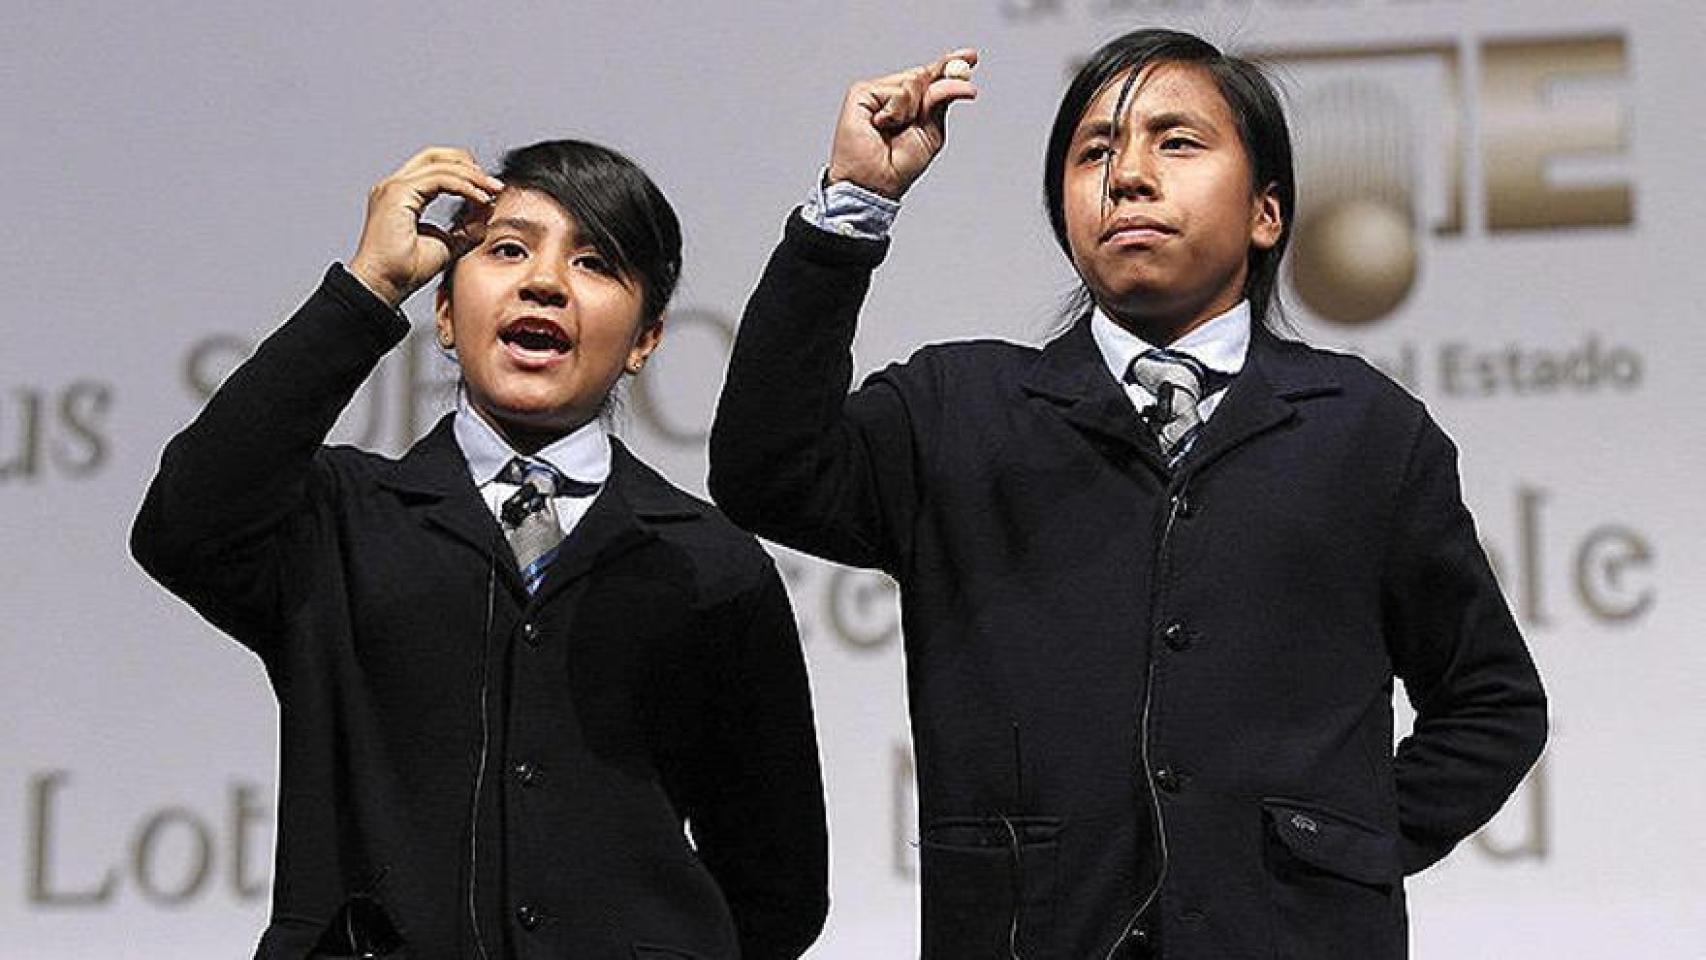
[(1135, 227)]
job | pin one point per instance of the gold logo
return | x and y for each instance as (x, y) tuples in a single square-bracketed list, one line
[(1385, 135)]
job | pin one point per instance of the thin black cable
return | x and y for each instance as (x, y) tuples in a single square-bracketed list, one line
[(1013, 839), (1018, 888), (1143, 748), (485, 750)]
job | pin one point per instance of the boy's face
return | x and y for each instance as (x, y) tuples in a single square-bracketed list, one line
[(1160, 213), (543, 326)]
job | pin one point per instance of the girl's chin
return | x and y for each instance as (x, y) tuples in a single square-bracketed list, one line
[(511, 416)]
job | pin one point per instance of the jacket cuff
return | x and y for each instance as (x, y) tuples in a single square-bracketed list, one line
[(817, 245), (384, 325)]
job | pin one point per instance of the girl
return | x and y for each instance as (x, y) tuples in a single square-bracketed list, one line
[(514, 664)]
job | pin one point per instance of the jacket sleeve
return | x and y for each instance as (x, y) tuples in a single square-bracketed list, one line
[(1480, 710), (216, 527), (758, 822), (793, 457)]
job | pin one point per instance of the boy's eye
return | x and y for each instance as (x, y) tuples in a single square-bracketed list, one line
[(1179, 142), (508, 249)]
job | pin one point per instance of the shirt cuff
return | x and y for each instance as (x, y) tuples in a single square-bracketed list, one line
[(848, 209)]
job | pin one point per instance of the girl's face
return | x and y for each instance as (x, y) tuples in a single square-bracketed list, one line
[(543, 325), (1160, 212)]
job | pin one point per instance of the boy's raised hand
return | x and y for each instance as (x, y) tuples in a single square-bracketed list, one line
[(892, 127)]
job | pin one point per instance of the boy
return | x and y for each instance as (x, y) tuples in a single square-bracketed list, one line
[(1157, 577)]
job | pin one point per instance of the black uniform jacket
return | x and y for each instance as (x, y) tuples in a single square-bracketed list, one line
[(465, 771), (1121, 678)]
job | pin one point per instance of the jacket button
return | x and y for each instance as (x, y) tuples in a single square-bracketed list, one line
[(1176, 636), (1169, 780), (530, 633), (527, 774), (1182, 505), (529, 918)]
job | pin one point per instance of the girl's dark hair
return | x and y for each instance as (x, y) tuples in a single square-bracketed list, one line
[(1261, 128), (620, 210)]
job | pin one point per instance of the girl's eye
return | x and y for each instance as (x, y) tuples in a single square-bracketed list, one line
[(1179, 143), (595, 263), (508, 249)]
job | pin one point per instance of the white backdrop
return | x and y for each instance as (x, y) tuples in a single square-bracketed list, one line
[(1505, 205)]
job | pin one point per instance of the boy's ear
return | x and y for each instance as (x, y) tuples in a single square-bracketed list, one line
[(1267, 222)]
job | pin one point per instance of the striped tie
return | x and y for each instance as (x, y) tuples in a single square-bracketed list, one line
[(1177, 381), (529, 518)]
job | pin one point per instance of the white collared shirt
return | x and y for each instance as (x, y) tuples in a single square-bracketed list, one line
[(582, 455), (1220, 344)]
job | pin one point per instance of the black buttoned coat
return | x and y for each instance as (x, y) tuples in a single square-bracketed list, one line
[(466, 771), (1143, 700)]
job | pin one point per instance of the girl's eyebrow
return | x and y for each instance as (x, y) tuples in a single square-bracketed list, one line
[(533, 229), (518, 224)]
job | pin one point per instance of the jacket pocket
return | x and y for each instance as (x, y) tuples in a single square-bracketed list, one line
[(1335, 883), (990, 885), (361, 928)]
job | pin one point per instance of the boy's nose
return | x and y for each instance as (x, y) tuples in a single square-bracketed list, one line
[(1132, 175)]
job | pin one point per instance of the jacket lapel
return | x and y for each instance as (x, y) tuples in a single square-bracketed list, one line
[(432, 478), (620, 520), (1071, 374), (1261, 398)]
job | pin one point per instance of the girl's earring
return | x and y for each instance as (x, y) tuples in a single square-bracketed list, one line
[(446, 339)]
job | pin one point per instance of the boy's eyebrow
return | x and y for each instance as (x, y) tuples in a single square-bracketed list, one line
[(1094, 128), (1165, 120), (1176, 118)]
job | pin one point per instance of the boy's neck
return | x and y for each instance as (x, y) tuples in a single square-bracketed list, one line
[(1162, 328), (1158, 331)]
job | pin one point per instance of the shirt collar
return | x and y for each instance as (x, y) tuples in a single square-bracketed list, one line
[(1221, 344), (583, 454)]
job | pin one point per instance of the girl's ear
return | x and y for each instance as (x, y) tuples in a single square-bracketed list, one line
[(644, 344), (441, 318)]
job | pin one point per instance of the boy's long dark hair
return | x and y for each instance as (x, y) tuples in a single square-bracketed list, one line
[(1261, 127)]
